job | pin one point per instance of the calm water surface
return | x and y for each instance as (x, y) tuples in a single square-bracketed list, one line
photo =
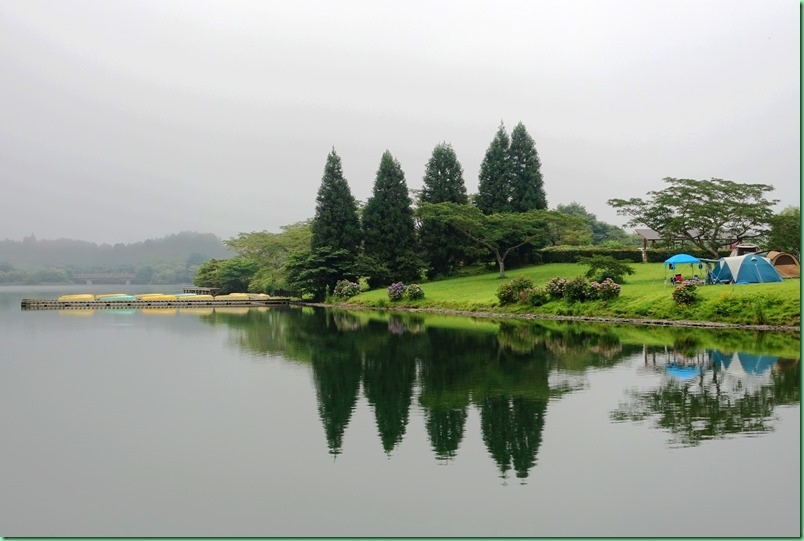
[(305, 422)]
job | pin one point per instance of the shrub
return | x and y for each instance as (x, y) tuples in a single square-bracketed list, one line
[(414, 291), (578, 289), (602, 267), (606, 290), (396, 291), (508, 293), (534, 296), (345, 289), (555, 287), (685, 294)]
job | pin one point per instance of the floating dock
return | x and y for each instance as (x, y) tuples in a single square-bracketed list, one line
[(55, 304)]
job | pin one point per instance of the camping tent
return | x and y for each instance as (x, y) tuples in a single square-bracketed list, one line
[(682, 259), (786, 265), (745, 269)]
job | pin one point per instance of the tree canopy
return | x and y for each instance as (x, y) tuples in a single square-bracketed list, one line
[(785, 232), (501, 233), (706, 213)]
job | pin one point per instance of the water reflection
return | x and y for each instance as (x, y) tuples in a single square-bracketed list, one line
[(508, 372), (712, 394)]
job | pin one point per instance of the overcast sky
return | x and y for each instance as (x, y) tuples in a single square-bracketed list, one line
[(127, 120)]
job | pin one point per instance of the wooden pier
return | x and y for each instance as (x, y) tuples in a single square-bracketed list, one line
[(53, 304)]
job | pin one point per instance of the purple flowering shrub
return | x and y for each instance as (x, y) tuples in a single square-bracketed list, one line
[(606, 290), (396, 291), (346, 289), (555, 287)]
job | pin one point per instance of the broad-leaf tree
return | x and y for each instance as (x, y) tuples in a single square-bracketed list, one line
[(705, 213), (271, 251), (444, 248), (785, 232), (500, 233), (494, 187), (525, 176), (336, 223), (389, 233), (600, 232)]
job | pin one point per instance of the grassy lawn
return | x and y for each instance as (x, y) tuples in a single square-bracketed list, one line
[(644, 296)]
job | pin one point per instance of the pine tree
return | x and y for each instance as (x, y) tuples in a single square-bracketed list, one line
[(388, 228), (444, 247), (527, 188), (443, 177), (494, 189), (336, 223)]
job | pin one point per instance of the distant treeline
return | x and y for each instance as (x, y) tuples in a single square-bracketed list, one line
[(168, 260)]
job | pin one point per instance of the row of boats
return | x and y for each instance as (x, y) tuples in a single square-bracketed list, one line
[(124, 297)]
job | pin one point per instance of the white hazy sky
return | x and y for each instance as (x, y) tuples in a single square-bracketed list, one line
[(127, 120)]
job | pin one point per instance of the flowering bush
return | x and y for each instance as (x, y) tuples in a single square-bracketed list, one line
[(345, 289), (685, 294), (396, 291), (414, 291), (578, 289), (508, 293), (555, 287), (607, 289), (534, 296)]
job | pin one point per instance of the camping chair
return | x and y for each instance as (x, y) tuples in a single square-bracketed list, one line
[(677, 279)]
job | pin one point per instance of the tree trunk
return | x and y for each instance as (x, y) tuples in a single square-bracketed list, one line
[(500, 263)]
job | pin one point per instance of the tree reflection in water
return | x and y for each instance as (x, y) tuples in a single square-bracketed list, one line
[(712, 394), (509, 371)]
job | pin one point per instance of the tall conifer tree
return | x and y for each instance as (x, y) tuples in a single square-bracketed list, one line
[(336, 223), (443, 246), (443, 177), (494, 189), (527, 188), (389, 234)]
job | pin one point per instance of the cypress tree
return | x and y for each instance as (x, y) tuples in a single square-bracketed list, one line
[(389, 234), (494, 189), (336, 223), (443, 246), (443, 177), (527, 188)]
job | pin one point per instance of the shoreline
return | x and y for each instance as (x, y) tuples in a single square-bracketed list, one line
[(587, 319)]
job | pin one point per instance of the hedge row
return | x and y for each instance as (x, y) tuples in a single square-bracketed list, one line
[(570, 254)]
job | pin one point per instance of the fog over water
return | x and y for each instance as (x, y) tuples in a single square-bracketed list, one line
[(123, 121)]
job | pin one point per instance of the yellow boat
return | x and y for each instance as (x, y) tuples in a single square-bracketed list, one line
[(158, 297), (104, 295), (79, 297), (197, 298), (141, 295)]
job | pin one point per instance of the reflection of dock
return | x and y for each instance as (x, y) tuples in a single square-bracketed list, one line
[(52, 304)]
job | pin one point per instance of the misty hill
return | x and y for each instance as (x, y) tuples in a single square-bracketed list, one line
[(187, 248)]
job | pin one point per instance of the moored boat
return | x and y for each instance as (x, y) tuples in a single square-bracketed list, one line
[(78, 297)]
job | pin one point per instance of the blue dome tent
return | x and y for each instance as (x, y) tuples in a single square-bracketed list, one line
[(745, 269)]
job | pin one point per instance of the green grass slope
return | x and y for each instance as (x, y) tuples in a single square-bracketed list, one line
[(645, 295)]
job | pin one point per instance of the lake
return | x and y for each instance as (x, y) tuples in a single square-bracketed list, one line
[(299, 421)]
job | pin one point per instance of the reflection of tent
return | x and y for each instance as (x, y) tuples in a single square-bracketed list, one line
[(755, 365), (682, 372), (746, 269), (681, 259), (721, 359), (785, 264)]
